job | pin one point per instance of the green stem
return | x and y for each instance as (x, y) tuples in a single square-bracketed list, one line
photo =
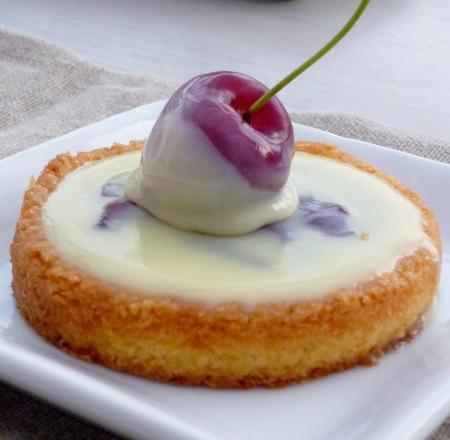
[(308, 63)]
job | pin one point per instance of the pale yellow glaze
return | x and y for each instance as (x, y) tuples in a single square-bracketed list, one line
[(141, 253)]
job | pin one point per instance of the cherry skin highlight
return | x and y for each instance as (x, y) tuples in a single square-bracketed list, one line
[(260, 148)]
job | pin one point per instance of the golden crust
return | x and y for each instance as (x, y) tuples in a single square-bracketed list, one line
[(222, 346)]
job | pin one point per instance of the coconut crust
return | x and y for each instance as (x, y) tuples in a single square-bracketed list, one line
[(226, 345)]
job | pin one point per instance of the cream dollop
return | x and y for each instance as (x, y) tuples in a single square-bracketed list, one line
[(185, 182)]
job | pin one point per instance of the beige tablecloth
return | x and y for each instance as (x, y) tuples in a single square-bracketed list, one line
[(46, 91)]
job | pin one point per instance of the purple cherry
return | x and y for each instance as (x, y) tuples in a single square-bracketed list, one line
[(243, 119), (260, 147), (112, 212), (330, 218)]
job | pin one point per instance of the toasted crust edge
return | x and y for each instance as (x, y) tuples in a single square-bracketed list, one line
[(226, 345)]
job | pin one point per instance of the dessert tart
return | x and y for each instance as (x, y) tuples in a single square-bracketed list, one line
[(221, 253), (350, 272)]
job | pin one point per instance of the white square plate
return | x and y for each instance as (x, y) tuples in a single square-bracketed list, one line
[(405, 396)]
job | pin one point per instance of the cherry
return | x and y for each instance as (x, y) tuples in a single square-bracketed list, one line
[(260, 148), (243, 119), (327, 217), (218, 158), (112, 210)]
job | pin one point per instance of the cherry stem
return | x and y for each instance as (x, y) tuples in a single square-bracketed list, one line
[(308, 63)]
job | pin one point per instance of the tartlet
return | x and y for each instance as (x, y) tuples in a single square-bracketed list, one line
[(220, 345)]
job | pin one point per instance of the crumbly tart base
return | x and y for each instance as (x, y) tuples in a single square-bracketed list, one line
[(219, 346)]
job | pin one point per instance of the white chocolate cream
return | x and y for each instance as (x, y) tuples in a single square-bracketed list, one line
[(141, 253), (184, 181)]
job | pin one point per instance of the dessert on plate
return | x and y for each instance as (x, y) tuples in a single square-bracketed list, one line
[(220, 252)]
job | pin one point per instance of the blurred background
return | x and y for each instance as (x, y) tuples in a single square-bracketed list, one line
[(392, 68)]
